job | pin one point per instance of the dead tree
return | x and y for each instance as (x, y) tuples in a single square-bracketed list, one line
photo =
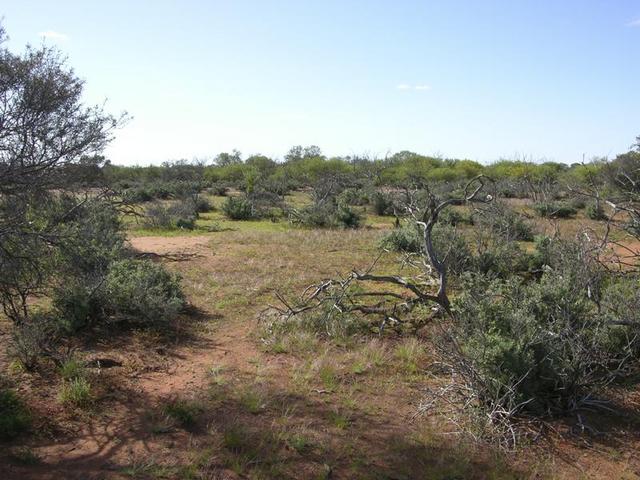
[(398, 295)]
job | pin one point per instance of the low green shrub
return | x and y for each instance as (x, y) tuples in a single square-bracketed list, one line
[(504, 222), (554, 210), (594, 211), (404, 239), (238, 208), (141, 291), (177, 215), (14, 416), (383, 204), (202, 204), (327, 215)]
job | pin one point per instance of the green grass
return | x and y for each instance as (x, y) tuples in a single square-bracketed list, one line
[(72, 368), (183, 412), (252, 401), (339, 419), (76, 393)]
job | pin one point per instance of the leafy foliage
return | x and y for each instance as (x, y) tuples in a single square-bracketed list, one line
[(14, 416), (141, 291)]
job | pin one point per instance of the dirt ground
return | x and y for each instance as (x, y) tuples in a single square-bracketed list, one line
[(311, 411)]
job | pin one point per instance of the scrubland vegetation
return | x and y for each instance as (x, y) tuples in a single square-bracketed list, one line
[(307, 317)]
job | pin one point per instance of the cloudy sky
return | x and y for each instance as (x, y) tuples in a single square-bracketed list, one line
[(551, 80)]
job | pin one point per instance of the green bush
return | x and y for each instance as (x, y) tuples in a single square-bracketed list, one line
[(141, 291), (345, 217), (14, 416), (594, 211), (202, 204), (500, 259), (177, 215), (448, 244), (238, 208), (382, 204), (540, 346), (404, 239), (327, 215), (504, 222), (76, 304), (554, 210), (578, 203), (33, 338), (451, 217)]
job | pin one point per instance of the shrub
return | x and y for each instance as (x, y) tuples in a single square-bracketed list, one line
[(500, 259), (178, 215), (594, 211), (540, 346), (34, 337), (451, 217), (382, 204), (143, 292), (504, 222), (346, 217), (76, 304), (405, 239), (238, 208), (554, 210), (14, 416), (327, 215), (217, 190), (578, 203), (354, 196), (448, 244), (202, 204)]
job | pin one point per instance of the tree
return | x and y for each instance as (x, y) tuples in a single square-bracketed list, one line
[(47, 136), (224, 158)]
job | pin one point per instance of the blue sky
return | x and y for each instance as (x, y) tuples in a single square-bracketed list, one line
[(483, 80)]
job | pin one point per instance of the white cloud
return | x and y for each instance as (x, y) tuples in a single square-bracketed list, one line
[(403, 86), (53, 35), (634, 23), (422, 87)]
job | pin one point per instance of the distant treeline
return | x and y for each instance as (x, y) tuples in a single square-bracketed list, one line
[(306, 166)]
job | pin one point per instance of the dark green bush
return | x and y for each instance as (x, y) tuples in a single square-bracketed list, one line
[(14, 416), (326, 215), (238, 208), (77, 304), (504, 222), (345, 217), (578, 203), (383, 204), (202, 204), (448, 244), (354, 196), (500, 259), (539, 347), (141, 291), (177, 215), (554, 210), (404, 239), (451, 217), (594, 211), (35, 338)]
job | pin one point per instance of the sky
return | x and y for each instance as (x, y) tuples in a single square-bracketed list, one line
[(484, 80)]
